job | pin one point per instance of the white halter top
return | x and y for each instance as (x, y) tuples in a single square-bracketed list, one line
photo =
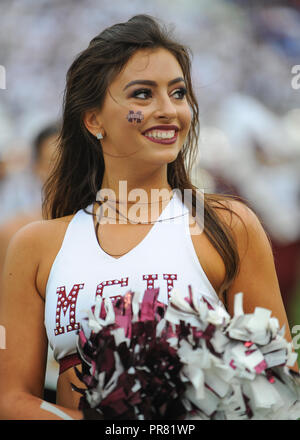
[(164, 259)]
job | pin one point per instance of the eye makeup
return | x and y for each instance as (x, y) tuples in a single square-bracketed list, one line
[(148, 93), (152, 83)]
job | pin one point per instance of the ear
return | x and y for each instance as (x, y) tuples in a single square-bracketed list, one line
[(92, 121)]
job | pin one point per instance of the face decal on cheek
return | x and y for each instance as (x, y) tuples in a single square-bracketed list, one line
[(135, 117)]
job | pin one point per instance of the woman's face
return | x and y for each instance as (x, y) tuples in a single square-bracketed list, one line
[(150, 83)]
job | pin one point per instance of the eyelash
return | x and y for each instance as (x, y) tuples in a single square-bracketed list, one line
[(135, 94)]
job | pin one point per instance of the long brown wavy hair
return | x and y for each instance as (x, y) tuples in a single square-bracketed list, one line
[(79, 169)]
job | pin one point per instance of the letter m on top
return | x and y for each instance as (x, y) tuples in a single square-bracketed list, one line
[(67, 303)]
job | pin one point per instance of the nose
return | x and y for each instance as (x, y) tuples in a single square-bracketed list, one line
[(165, 107)]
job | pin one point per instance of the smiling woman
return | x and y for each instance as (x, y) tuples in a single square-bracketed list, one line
[(130, 116), (164, 100)]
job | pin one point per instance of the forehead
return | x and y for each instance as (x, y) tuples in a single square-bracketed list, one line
[(156, 64)]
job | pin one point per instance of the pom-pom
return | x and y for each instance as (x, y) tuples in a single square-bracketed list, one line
[(189, 360)]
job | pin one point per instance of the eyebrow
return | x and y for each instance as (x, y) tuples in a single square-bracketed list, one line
[(152, 83)]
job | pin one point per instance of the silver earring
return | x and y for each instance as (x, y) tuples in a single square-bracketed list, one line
[(99, 136)]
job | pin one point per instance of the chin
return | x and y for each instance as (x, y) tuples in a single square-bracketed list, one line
[(164, 158)]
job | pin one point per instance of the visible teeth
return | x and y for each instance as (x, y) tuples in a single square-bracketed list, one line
[(163, 134)]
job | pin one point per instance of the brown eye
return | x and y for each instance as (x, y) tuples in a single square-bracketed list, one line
[(146, 92), (182, 92)]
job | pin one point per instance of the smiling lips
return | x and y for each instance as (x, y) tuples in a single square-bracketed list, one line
[(162, 134)]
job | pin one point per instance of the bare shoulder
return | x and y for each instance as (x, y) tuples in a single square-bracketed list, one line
[(234, 212), (246, 225), (257, 277), (36, 245), (36, 234)]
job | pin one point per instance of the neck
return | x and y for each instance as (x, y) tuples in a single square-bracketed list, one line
[(144, 189)]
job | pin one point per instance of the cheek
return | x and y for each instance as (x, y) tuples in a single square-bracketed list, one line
[(123, 132), (116, 124), (186, 119)]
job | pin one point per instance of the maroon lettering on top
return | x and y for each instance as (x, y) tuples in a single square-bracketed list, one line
[(111, 283), (68, 302), (150, 278), (170, 277), (115, 298), (64, 303)]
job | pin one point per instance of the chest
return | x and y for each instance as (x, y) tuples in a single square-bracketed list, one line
[(118, 240)]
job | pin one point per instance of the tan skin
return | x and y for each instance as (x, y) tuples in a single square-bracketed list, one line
[(33, 249)]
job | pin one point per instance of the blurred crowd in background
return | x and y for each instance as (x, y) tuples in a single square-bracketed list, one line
[(244, 66)]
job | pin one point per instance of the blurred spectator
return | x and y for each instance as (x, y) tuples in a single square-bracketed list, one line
[(286, 254), (255, 154), (21, 192), (2, 170)]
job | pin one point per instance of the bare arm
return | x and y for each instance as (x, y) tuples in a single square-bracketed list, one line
[(257, 278), (10, 227), (23, 361)]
